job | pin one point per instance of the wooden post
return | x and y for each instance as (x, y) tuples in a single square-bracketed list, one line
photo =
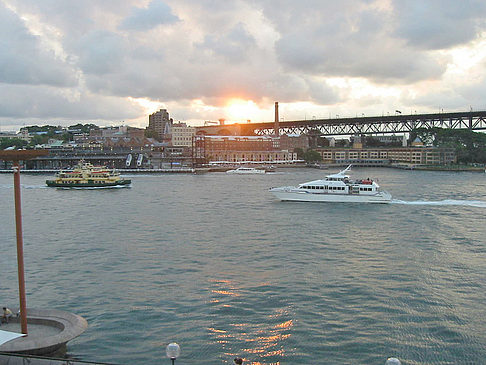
[(15, 156), (20, 248)]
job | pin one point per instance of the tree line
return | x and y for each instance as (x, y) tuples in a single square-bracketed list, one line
[(42, 134), (470, 146)]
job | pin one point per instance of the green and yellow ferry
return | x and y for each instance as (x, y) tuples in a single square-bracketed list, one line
[(85, 175)]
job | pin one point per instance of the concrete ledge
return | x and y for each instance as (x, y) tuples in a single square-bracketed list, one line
[(69, 324), (16, 359)]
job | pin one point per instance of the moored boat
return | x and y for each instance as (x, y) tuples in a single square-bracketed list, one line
[(335, 188), (246, 170), (85, 175)]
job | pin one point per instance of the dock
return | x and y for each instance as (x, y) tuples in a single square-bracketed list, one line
[(121, 171)]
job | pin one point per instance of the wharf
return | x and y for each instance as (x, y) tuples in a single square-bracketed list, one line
[(121, 171)]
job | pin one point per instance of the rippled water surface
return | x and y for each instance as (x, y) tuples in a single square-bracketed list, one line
[(217, 264)]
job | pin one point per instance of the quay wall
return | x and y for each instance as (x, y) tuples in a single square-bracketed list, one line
[(19, 359), (121, 171)]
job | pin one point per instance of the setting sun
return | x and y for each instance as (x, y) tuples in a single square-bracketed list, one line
[(239, 110)]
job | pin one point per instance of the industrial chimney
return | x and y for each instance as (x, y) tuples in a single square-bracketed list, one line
[(276, 126)]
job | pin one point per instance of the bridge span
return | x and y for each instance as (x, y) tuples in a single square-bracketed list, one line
[(473, 120)]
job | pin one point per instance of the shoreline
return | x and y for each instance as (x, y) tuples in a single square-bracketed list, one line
[(199, 170)]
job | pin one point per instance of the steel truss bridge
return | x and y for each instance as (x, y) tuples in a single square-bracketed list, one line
[(371, 125)]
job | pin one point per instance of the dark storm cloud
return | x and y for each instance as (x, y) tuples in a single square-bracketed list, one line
[(143, 19), (22, 58)]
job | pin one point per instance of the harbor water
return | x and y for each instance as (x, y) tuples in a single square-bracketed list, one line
[(215, 263)]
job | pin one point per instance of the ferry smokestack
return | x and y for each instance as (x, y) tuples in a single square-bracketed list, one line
[(276, 126)]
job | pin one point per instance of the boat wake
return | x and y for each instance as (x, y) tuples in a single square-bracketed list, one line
[(23, 186), (34, 186), (94, 187), (447, 202)]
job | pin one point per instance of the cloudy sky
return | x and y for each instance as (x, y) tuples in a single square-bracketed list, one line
[(113, 62)]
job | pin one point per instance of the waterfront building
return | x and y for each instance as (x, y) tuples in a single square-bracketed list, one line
[(238, 149), (292, 141), (170, 157), (384, 155), (182, 135), (121, 136), (160, 125)]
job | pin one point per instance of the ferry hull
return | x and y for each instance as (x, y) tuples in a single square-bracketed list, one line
[(306, 196), (53, 183)]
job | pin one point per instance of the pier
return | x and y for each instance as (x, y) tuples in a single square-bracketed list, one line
[(122, 171)]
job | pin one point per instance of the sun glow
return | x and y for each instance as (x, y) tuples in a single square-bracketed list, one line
[(239, 110)]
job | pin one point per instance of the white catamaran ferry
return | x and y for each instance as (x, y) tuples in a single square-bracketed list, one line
[(334, 188), (246, 170)]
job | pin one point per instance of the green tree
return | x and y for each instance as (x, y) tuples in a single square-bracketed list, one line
[(311, 156), (12, 142), (470, 146), (150, 133), (300, 153), (426, 135), (342, 143), (66, 137), (84, 128), (50, 129), (39, 139)]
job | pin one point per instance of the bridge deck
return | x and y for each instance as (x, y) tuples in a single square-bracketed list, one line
[(401, 123)]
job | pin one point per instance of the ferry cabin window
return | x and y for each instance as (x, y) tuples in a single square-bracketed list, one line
[(336, 187)]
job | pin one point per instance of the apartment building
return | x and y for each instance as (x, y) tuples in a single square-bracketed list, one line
[(409, 155), (182, 135), (160, 124)]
